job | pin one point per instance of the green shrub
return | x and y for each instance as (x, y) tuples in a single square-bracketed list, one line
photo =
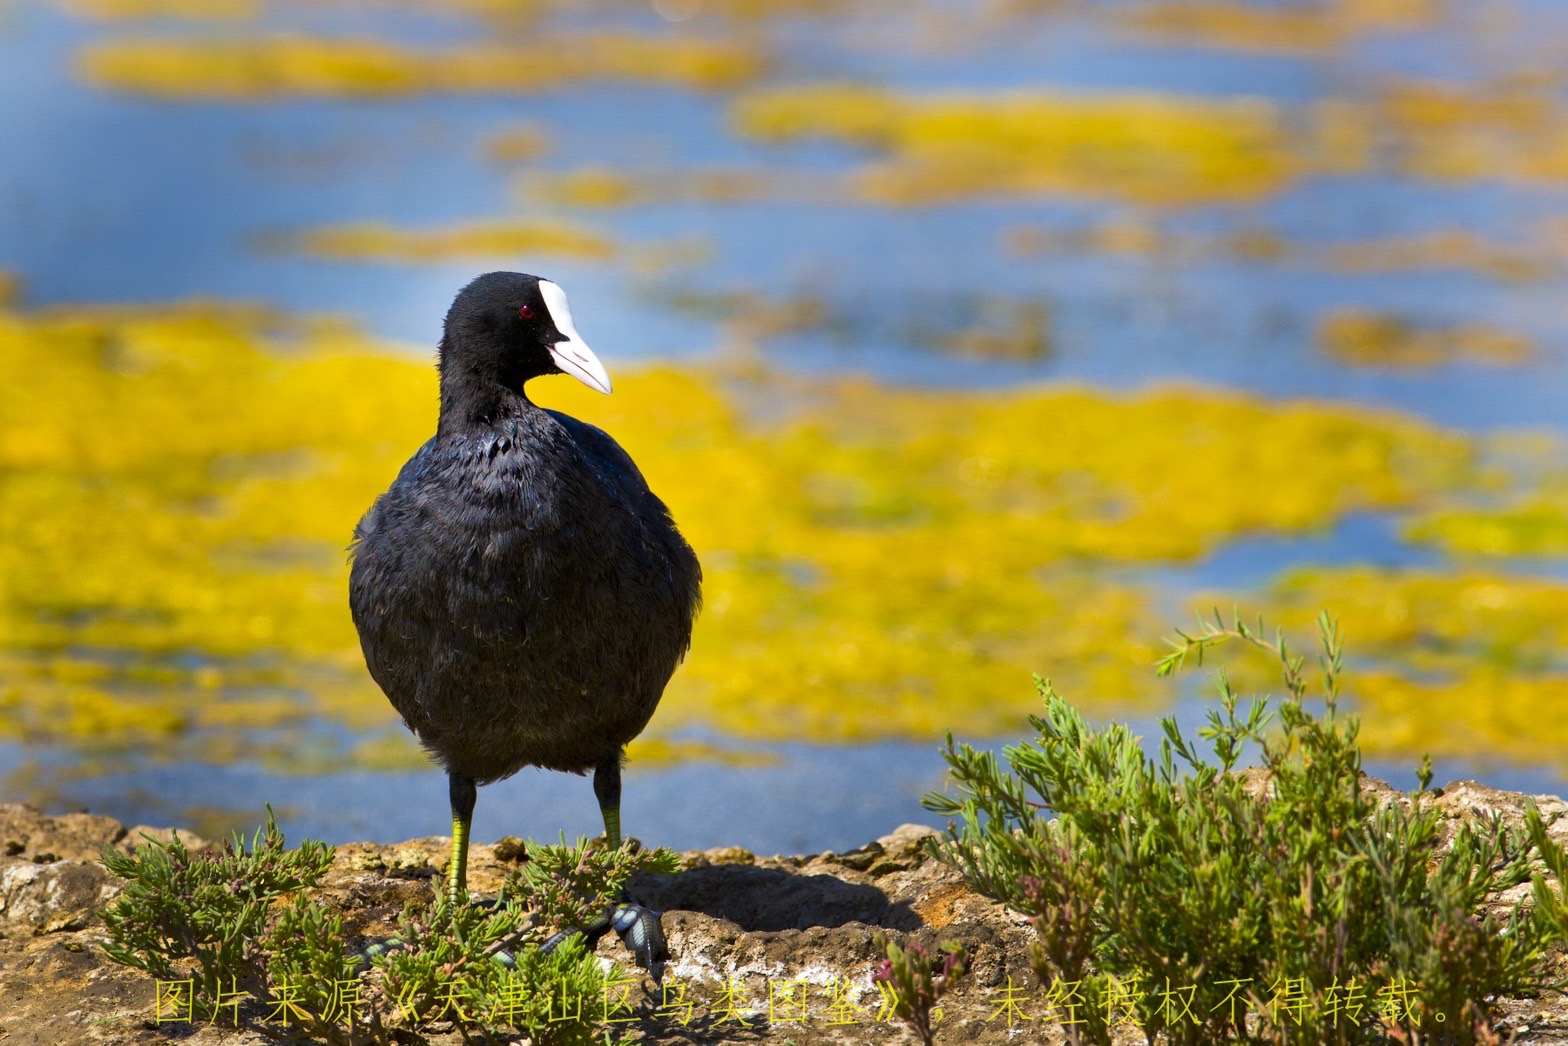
[(914, 980), (279, 964), (484, 968), (210, 909), (570, 887), (1212, 905), (313, 983)]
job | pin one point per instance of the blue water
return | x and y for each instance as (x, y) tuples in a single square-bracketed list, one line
[(109, 198)]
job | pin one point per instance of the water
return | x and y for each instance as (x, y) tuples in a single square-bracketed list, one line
[(109, 197)]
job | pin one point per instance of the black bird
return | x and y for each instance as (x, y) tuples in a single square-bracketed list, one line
[(521, 596)]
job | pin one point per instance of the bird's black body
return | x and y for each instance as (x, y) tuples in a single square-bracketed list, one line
[(521, 596)]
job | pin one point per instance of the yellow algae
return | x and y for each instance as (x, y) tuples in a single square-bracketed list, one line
[(1533, 526), (600, 187), (518, 144), (1007, 330), (282, 66), (663, 258), (1511, 129), (1482, 713), (372, 241), (1344, 138), (1276, 28), (1139, 237), (1154, 149), (251, 711), (99, 714), (1541, 255), (1436, 621), (1128, 237), (240, 69), (879, 561), (759, 9), (1388, 15), (389, 751), (1457, 664), (587, 187), (1372, 339), (491, 10), (1456, 249), (748, 316), (653, 751), (671, 10), (1430, 105), (129, 10), (1454, 665)]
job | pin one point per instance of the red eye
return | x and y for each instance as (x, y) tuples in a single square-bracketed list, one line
[(526, 312)]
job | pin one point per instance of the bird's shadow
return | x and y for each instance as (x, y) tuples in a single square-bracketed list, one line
[(706, 1030), (771, 899)]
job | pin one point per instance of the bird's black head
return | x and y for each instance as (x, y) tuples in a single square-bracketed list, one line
[(507, 327)]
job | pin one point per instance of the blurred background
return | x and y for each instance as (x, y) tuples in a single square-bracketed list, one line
[(966, 340)]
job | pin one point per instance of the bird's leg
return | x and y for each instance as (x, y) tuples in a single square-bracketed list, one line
[(462, 792), (607, 788), (638, 927)]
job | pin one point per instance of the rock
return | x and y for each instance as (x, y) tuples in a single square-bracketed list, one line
[(904, 848), (360, 857), (140, 834), (33, 836), (62, 895), (408, 863), (510, 849), (720, 855)]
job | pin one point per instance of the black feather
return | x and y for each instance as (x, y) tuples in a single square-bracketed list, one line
[(521, 596)]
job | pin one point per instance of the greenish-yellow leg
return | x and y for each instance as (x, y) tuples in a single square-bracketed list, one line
[(637, 926), (607, 789), (462, 792)]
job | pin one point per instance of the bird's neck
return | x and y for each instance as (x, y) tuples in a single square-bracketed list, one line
[(475, 401)]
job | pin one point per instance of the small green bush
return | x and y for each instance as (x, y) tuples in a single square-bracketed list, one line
[(313, 982), (484, 968), (261, 953), (570, 887), (914, 980), (207, 908), (1211, 905)]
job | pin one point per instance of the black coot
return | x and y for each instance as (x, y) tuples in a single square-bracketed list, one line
[(520, 594)]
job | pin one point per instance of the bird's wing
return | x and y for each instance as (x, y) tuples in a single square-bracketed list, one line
[(606, 456), (407, 478)]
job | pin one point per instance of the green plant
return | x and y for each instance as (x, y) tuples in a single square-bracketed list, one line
[(1549, 904), (313, 983), (916, 979), (485, 968), (208, 908), (570, 887), (280, 965), (1209, 904)]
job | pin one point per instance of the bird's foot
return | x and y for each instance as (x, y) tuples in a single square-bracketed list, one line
[(366, 957), (638, 928), (641, 932)]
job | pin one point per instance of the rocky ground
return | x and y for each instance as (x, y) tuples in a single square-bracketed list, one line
[(794, 928)]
